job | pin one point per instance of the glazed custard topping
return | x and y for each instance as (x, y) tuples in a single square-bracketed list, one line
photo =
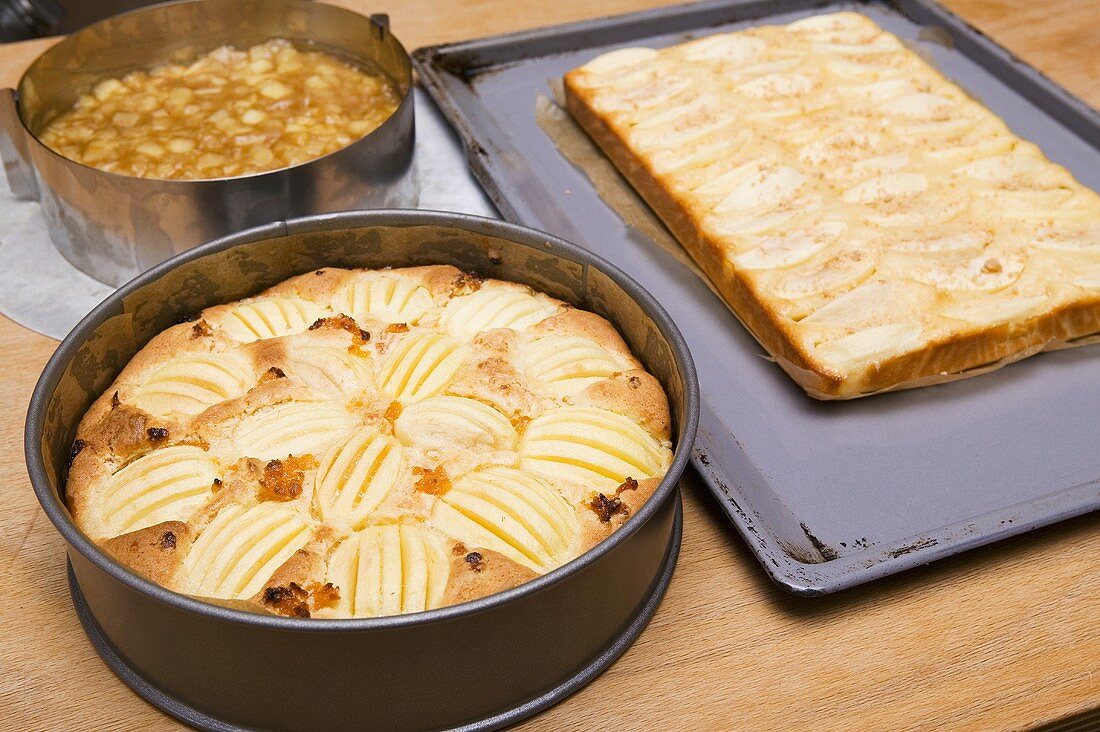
[(871, 223), (228, 113), (361, 443)]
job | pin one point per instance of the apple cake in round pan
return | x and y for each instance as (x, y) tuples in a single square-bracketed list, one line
[(357, 443), (872, 225)]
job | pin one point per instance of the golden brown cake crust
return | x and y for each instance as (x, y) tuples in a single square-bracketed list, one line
[(478, 572), (154, 551), (352, 443), (1072, 313)]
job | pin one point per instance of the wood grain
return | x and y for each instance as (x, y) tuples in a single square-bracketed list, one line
[(1005, 637)]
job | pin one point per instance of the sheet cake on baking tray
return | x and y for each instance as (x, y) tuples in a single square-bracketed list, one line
[(870, 223)]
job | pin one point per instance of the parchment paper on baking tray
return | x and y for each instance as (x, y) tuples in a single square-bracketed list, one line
[(826, 494)]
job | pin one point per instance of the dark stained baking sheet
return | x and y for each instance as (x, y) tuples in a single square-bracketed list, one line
[(827, 494)]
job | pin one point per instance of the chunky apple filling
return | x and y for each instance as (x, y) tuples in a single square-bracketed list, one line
[(230, 112)]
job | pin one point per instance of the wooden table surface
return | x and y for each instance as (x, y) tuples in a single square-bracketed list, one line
[(1004, 637)]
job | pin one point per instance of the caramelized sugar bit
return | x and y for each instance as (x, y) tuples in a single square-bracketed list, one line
[(272, 374), (289, 599), (322, 596), (393, 411), (397, 328), (201, 329), (627, 485), (606, 507), (466, 284), (433, 481), (283, 479), (157, 434), (295, 601), (168, 541), (475, 561), (359, 336)]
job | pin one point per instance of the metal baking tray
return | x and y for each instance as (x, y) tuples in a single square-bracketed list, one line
[(827, 494)]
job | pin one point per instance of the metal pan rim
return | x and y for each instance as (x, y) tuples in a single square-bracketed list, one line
[(568, 686)]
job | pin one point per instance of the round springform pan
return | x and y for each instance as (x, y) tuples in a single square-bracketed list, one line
[(479, 665)]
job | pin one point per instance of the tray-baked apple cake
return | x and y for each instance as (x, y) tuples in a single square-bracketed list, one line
[(358, 443), (871, 224)]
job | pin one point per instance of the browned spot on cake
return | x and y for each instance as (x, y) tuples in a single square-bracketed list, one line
[(322, 596), (168, 541), (466, 284), (433, 481), (282, 479), (201, 329), (157, 434), (271, 374), (295, 601), (359, 337), (627, 485), (606, 507), (289, 599), (115, 401), (194, 441)]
